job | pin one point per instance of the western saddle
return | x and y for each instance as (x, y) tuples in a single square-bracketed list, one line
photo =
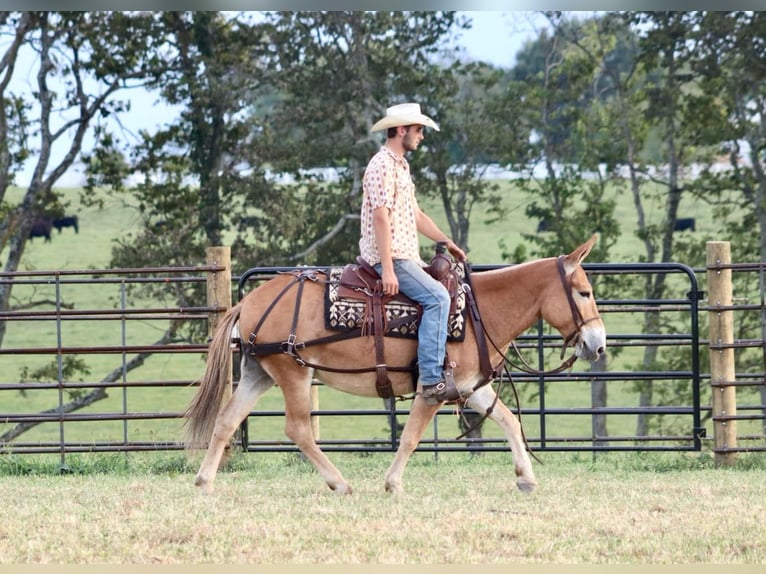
[(361, 281)]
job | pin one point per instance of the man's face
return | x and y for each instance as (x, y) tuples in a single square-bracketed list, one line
[(412, 137)]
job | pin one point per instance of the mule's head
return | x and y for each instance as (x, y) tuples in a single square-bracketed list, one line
[(574, 313)]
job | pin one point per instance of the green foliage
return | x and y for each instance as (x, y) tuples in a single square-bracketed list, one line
[(455, 159), (89, 57), (572, 207), (103, 463), (72, 367)]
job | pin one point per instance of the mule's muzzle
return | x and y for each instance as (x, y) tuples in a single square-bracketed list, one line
[(591, 344)]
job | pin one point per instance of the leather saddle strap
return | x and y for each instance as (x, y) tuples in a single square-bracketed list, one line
[(289, 344), (270, 308), (382, 382), (481, 342)]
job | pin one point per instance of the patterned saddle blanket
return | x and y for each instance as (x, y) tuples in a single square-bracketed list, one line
[(346, 314)]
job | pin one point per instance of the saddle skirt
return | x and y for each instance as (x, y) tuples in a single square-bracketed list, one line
[(348, 303)]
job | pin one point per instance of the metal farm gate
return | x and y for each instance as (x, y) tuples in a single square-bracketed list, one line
[(116, 407), (546, 411)]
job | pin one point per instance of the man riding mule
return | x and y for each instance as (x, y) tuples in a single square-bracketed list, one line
[(286, 314), (390, 222)]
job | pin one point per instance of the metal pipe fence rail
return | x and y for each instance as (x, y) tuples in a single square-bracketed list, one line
[(51, 411), (141, 410)]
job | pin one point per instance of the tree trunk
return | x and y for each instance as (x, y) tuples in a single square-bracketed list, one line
[(598, 400)]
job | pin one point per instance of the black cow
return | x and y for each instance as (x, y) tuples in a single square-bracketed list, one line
[(41, 228), (684, 223), (67, 221)]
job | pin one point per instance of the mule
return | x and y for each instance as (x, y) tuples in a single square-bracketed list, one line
[(509, 300)]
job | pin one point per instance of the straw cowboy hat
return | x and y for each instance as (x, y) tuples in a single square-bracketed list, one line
[(404, 115)]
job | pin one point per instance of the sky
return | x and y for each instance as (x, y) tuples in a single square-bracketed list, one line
[(495, 37)]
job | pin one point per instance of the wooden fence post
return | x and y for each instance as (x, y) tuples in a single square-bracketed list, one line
[(218, 289), (722, 369), (218, 284)]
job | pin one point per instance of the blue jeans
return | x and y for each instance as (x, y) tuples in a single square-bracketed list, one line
[(419, 286)]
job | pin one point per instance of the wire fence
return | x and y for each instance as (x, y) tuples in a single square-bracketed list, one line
[(91, 368)]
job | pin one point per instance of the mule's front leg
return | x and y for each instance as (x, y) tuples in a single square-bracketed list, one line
[(481, 400), (420, 415)]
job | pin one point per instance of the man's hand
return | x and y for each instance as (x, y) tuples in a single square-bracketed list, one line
[(455, 251), (389, 282)]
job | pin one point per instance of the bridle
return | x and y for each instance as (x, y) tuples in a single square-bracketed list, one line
[(569, 340), (577, 317)]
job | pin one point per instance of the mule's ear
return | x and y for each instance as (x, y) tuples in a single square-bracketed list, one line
[(577, 256)]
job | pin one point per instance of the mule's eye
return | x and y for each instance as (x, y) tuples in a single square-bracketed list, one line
[(585, 294)]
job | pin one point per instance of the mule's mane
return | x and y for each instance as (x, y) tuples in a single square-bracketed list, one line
[(515, 267)]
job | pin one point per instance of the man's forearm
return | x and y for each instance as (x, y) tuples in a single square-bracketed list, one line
[(382, 229)]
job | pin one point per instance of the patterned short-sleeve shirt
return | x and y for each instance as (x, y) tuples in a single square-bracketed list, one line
[(387, 183)]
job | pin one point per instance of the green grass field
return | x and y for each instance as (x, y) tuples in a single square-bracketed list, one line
[(618, 510), (91, 249)]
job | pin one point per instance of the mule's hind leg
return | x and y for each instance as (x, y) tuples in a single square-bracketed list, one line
[(481, 400), (253, 383), (295, 384)]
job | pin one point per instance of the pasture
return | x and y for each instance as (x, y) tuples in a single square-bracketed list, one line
[(275, 509)]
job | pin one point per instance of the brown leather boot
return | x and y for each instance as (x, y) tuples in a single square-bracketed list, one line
[(444, 391)]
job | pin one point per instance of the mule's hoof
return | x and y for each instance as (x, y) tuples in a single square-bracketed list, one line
[(526, 485), (343, 488), (394, 488), (204, 486)]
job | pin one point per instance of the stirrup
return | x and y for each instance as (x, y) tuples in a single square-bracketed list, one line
[(445, 391)]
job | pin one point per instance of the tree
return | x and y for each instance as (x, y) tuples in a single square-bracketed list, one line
[(203, 175), (339, 72), (674, 112), (663, 77), (645, 93), (729, 64), (454, 165), (286, 94), (560, 95), (73, 51), (83, 60)]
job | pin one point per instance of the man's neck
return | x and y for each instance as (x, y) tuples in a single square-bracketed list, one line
[(395, 145)]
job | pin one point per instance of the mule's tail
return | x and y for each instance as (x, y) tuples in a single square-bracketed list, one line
[(203, 410)]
